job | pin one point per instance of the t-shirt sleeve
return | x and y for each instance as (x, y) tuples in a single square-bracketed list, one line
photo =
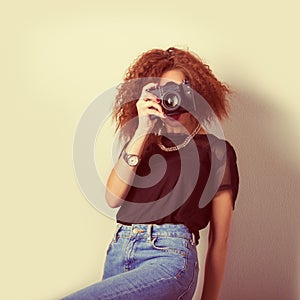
[(227, 171)]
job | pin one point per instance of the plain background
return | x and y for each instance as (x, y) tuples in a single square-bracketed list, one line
[(58, 56)]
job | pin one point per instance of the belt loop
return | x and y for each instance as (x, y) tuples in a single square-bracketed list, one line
[(149, 232), (116, 231), (193, 239)]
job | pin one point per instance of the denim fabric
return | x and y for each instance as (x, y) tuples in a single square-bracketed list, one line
[(147, 262)]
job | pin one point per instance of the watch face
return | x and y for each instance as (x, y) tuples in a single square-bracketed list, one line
[(133, 160)]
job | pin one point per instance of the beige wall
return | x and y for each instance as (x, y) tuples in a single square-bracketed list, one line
[(56, 57)]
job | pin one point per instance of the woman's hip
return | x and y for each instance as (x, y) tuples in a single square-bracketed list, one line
[(133, 246)]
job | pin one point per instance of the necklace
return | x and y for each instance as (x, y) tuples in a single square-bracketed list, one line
[(183, 144)]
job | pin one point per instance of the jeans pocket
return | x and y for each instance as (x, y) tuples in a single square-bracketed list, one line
[(170, 244), (173, 254), (191, 284)]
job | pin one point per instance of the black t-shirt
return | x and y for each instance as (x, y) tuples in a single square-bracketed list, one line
[(177, 187)]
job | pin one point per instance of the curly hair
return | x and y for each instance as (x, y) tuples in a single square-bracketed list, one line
[(150, 66)]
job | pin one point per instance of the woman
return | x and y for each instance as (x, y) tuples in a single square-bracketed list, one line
[(171, 179)]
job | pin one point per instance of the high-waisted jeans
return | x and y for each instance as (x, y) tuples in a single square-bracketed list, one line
[(147, 262)]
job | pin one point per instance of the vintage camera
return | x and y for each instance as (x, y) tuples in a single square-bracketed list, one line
[(175, 98)]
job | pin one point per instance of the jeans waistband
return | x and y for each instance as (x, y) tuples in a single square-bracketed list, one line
[(153, 230)]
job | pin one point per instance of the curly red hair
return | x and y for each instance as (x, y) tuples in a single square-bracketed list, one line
[(152, 64)]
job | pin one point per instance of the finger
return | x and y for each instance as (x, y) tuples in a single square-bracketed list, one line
[(145, 96), (147, 102), (154, 112), (148, 95), (154, 105), (147, 107)]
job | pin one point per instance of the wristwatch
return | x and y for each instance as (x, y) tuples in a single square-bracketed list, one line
[(131, 159)]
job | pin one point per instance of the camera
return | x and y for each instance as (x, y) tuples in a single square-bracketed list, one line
[(175, 98)]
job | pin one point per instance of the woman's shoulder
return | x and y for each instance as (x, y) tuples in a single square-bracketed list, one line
[(217, 145)]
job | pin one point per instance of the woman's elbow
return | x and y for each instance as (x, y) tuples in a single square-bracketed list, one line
[(112, 204), (112, 200)]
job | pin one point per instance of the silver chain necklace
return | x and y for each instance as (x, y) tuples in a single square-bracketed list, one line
[(183, 144)]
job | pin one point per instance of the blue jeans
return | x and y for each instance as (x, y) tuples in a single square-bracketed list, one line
[(147, 262)]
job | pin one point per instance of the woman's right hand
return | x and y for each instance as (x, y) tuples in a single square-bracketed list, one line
[(149, 109), (122, 175)]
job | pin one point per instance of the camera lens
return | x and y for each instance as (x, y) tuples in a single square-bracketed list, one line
[(171, 101)]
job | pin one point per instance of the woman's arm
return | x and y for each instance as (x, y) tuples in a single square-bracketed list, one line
[(218, 244), (122, 175)]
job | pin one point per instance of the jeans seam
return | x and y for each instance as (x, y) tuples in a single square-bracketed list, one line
[(139, 289), (128, 259), (191, 282), (180, 273)]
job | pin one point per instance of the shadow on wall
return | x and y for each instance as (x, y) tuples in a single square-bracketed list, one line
[(263, 256)]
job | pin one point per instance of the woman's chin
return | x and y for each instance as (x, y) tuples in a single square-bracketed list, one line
[(174, 121), (175, 117)]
